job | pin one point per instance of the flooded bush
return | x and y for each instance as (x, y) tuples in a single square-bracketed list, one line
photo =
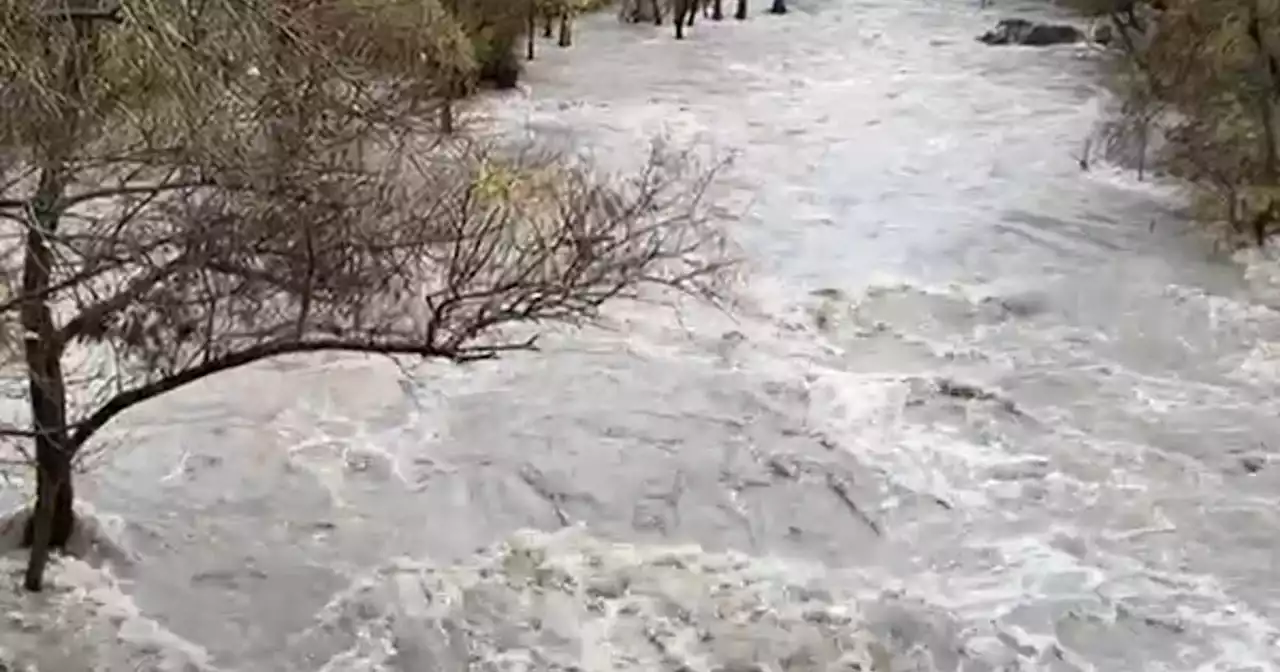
[(1199, 81)]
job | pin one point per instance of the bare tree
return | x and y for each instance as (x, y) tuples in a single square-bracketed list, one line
[(188, 189)]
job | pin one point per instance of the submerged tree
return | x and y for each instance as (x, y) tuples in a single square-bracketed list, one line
[(188, 188)]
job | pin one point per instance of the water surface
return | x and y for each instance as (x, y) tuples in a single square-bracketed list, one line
[(1009, 412)]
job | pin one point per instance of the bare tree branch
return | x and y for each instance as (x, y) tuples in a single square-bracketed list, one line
[(90, 320), (124, 191), (137, 395), (217, 183)]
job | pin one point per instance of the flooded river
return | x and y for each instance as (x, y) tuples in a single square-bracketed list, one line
[(978, 410)]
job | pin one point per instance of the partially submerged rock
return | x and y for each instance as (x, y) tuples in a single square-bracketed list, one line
[(1031, 34)]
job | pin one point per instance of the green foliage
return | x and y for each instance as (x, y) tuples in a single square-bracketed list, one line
[(494, 28), (200, 81), (497, 26), (1204, 75), (495, 52)]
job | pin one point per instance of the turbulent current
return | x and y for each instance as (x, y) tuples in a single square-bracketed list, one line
[(979, 410)]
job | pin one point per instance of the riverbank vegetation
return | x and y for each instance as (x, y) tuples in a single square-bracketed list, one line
[(498, 27), (1200, 84), (189, 188)]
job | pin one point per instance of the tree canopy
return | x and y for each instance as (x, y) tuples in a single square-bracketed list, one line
[(186, 188), (1199, 81)]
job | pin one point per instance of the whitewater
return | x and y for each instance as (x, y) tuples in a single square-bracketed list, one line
[(974, 409)]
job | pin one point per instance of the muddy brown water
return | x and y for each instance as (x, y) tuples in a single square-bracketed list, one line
[(1020, 401)]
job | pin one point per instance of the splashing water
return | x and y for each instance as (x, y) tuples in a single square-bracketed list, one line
[(978, 410)]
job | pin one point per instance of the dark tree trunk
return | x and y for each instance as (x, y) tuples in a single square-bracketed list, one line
[(741, 14), (53, 519), (1270, 71), (51, 522), (717, 10), (685, 13), (779, 7), (447, 123), (531, 29), (566, 30)]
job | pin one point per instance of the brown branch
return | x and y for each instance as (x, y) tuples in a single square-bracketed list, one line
[(83, 277), (92, 317), (112, 15), (132, 397), (149, 190)]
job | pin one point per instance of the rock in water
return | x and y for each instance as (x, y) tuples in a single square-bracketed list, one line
[(1102, 33), (1031, 34)]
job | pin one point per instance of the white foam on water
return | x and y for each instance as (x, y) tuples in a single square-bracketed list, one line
[(1261, 364), (98, 537), (330, 445), (540, 600), (1035, 571), (1127, 179), (1225, 310), (567, 600), (83, 621), (1094, 588), (1262, 270), (863, 413)]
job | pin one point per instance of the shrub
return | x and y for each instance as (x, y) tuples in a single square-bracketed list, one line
[(1203, 76)]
